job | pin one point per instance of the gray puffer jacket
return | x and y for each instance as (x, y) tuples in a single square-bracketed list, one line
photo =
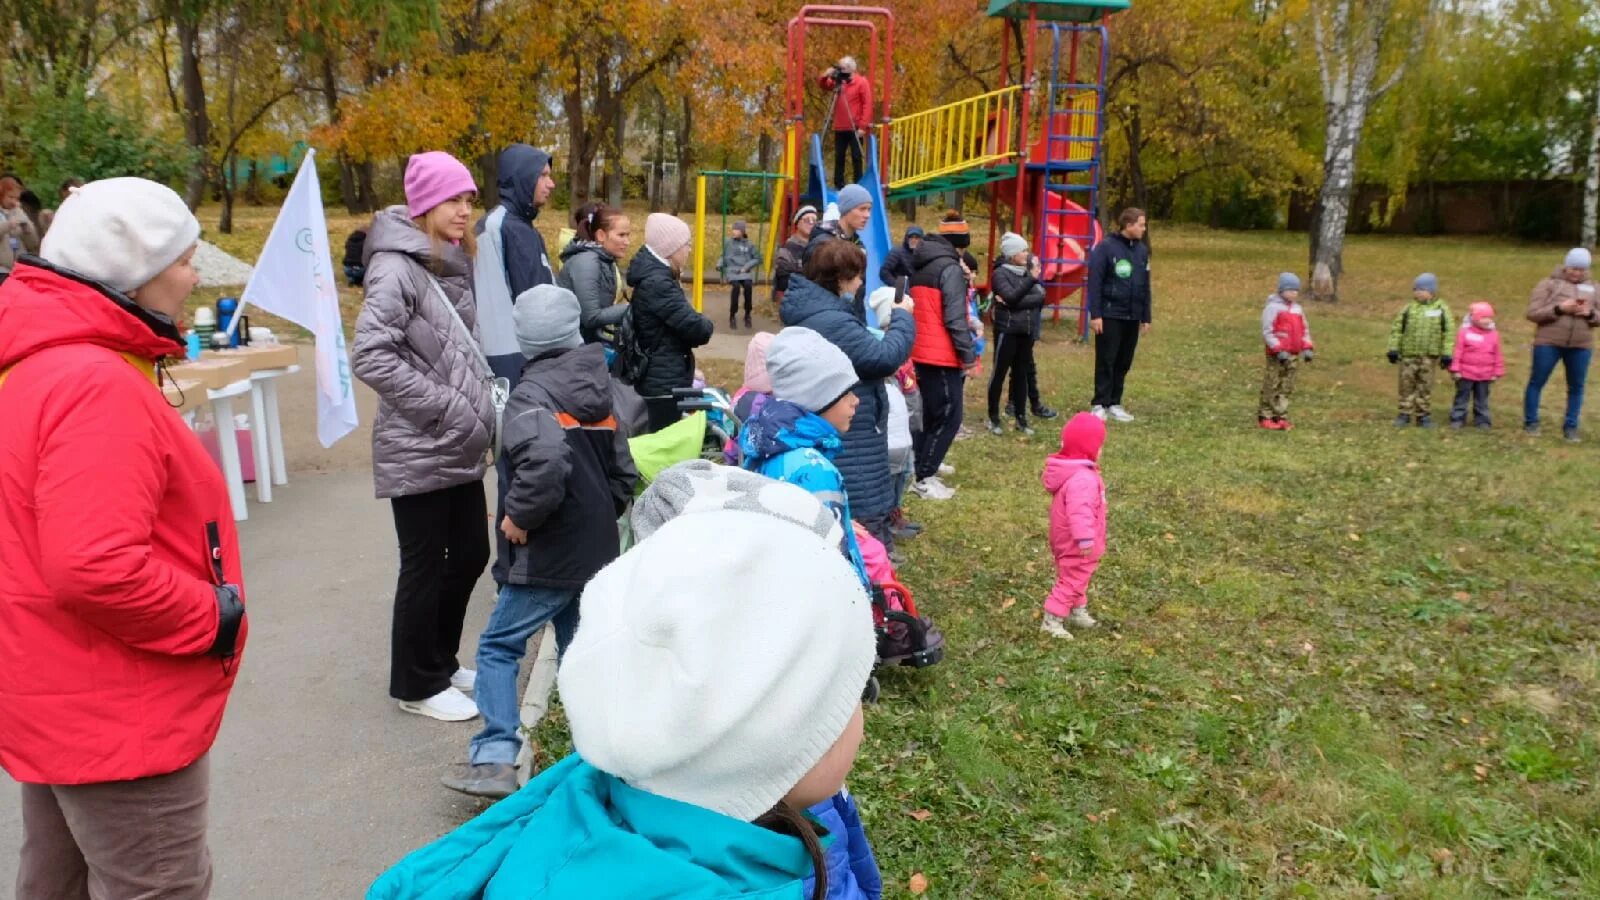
[(434, 413), (590, 273)]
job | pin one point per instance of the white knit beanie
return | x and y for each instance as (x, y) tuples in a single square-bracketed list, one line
[(718, 660), (121, 232), (546, 317), (1578, 258), (1011, 244), (807, 370)]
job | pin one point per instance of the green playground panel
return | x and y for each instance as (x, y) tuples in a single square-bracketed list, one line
[(1058, 10), (956, 181)]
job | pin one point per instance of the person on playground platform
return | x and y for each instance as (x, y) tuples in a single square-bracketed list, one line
[(1119, 309), (852, 115)]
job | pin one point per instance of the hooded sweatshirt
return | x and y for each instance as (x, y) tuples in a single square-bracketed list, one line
[(898, 263), (511, 256), (1078, 510), (576, 833)]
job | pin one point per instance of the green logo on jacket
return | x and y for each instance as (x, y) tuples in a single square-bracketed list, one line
[(1124, 268)]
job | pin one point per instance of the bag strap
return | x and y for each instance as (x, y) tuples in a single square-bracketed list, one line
[(472, 341)]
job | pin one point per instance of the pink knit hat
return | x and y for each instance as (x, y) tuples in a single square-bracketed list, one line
[(434, 177), (1480, 310), (666, 234), (756, 377)]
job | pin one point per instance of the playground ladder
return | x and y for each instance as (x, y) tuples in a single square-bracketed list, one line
[(1074, 128)]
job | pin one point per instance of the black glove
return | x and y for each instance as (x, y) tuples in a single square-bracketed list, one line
[(1305, 355), (230, 615), (1283, 356), (1394, 357), (1445, 361)]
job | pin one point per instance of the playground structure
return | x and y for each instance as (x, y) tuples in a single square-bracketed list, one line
[(1039, 156)]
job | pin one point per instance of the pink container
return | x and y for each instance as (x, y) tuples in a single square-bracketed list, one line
[(247, 452)]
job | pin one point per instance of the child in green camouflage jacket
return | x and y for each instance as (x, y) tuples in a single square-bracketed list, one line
[(1421, 339)]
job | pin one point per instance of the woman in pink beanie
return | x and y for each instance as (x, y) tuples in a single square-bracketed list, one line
[(668, 328), (417, 346)]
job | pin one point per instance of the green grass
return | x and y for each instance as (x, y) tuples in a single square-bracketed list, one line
[(1344, 661)]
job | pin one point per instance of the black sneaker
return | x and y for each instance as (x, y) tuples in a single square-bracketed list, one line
[(733, 323), (493, 780), (901, 527), (1022, 426), (1424, 421), (1531, 430), (1456, 426), (1481, 426), (1044, 412), (1010, 411), (747, 323), (1402, 420), (1570, 435)]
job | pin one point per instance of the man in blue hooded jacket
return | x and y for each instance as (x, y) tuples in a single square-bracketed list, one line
[(511, 253)]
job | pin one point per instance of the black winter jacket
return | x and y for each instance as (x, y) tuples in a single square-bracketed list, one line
[(1018, 301), (788, 263), (571, 473), (590, 272), (898, 264), (863, 459), (1119, 279), (666, 325)]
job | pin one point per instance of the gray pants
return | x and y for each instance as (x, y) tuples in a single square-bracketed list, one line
[(1478, 393), (121, 840)]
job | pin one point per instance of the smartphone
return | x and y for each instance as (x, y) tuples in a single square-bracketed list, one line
[(900, 285)]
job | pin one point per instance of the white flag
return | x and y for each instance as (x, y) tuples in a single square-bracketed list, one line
[(294, 279)]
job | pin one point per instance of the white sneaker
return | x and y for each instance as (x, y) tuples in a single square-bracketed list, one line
[(946, 470), (931, 488), (1120, 414), (1080, 618), (1056, 627), (1099, 412), (449, 705), (464, 680)]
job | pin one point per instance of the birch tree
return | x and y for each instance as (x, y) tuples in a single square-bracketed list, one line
[(1351, 37), (1591, 186)]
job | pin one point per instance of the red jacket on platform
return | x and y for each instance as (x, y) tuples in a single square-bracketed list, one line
[(857, 94), (117, 648)]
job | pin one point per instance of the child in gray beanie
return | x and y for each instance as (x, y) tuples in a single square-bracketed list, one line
[(571, 476)]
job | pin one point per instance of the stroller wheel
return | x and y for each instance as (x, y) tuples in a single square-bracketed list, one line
[(870, 693)]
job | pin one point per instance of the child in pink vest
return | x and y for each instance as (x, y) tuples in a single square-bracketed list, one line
[(1077, 523), (1477, 363)]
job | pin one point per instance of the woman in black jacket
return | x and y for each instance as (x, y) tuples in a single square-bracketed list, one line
[(589, 267), (1018, 300), (667, 327)]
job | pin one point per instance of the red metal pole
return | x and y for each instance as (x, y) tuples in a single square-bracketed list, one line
[(1029, 38)]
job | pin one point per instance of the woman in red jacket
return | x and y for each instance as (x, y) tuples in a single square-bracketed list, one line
[(121, 615)]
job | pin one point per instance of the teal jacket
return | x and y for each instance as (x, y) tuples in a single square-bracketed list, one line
[(576, 833)]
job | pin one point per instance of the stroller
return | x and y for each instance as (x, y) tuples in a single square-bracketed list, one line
[(905, 636)]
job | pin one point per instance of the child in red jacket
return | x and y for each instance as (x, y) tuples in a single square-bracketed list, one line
[(1477, 363), (1077, 523), (1288, 339)]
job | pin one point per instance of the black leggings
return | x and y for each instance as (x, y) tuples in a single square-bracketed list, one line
[(734, 289), (1013, 355), (941, 416), (444, 547)]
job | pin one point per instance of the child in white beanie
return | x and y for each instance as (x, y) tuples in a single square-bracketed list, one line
[(765, 653)]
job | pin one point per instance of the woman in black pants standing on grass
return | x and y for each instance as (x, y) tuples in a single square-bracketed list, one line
[(1119, 309)]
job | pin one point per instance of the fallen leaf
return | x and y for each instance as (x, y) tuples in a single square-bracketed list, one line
[(1354, 536), (1000, 680), (921, 815), (919, 884), (1170, 538), (1461, 597), (1480, 771), (1091, 817), (1007, 603), (1307, 648)]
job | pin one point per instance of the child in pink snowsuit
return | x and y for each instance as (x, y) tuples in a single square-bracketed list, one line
[(1077, 523), (1477, 363)]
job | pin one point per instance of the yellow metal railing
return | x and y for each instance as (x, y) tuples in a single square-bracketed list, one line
[(947, 139)]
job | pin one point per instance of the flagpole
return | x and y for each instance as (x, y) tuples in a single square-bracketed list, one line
[(238, 313)]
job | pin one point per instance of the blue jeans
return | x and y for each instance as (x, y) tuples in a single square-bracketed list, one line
[(518, 614), (1576, 361)]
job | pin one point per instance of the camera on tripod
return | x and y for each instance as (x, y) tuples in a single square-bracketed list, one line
[(840, 76)]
